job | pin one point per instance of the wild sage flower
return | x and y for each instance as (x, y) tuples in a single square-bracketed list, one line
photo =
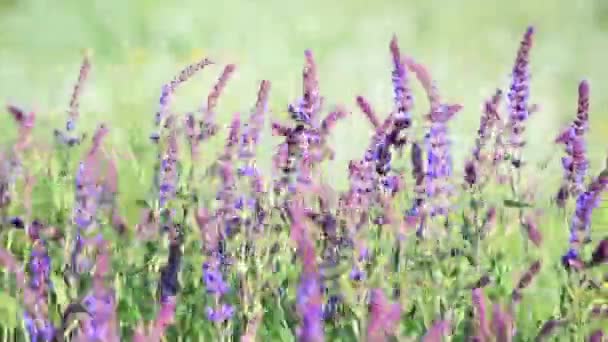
[(597, 336), (531, 227), (88, 197), (304, 145), (74, 110), (502, 324), (384, 316), (526, 280), (309, 297), (220, 314), (437, 144), (476, 171), (39, 326), (366, 108), (575, 163), (67, 137), (437, 331), (169, 283), (548, 328), (216, 286), (250, 204), (100, 302), (169, 89), (600, 254), (25, 121), (168, 175), (580, 226), (482, 328), (199, 129), (518, 97), (403, 97)]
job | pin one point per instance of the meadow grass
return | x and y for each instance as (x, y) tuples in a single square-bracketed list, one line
[(469, 47)]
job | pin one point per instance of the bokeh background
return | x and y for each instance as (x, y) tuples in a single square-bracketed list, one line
[(137, 45), (469, 46)]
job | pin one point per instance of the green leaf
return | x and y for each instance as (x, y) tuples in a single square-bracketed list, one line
[(143, 203), (9, 311), (516, 204)]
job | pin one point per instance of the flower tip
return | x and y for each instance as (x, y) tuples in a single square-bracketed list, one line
[(394, 41), (230, 68), (530, 31), (583, 87)]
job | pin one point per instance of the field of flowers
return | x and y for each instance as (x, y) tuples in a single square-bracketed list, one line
[(242, 226)]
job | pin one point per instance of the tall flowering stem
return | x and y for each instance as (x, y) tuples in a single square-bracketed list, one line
[(12, 164), (67, 137), (168, 173), (169, 288), (309, 296), (477, 167), (74, 110), (373, 176), (304, 147), (216, 228), (518, 97), (403, 97), (437, 144), (169, 89), (575, 163), (482, 328), (100, 303), (199, 129), (89, 194), (384, 317), (37, 322), (35, 289), (250, 205), (292, 159), (213, 278), (580, 225)]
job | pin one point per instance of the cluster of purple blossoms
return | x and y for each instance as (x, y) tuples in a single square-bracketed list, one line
[(39, 327), (575, 163), (374, 171), (168, 174), (439, 159), (100, 303), (476, 170), (216, 286), (305, 145), (168, 90), (438, 165), (309, 301), (518, 96), (580, 226), (67, 137), (250, 205), (384, 316)]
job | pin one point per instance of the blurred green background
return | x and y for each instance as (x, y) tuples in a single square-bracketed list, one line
[(469, 45)]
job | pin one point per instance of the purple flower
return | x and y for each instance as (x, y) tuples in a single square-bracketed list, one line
[(221, 314), (580, 225), (518, 96), (38, 331), (357, 274), (168, 89), (310, 308), (39, 267), (403, 94), (214, 281), (575, 163)]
